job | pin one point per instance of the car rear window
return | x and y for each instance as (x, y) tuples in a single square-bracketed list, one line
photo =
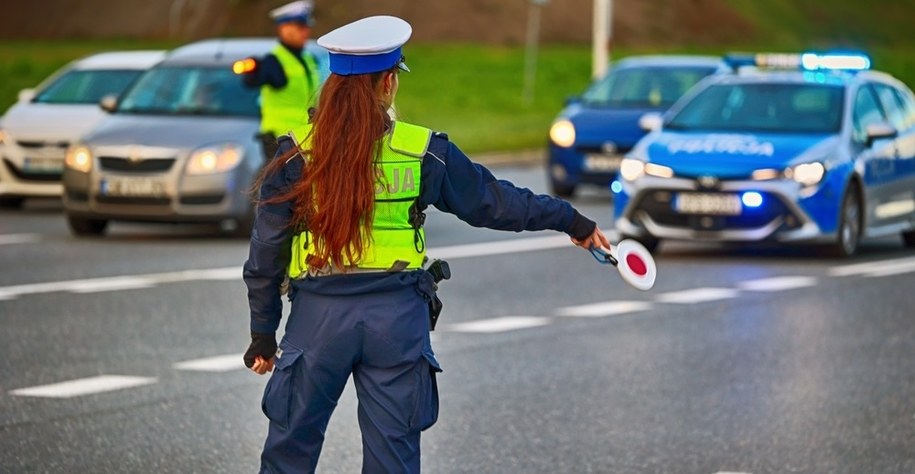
[(640, 87), (86, 86), (763, 107), (190, 90)]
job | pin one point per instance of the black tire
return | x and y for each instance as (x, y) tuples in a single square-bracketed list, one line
[(650, 243), (908, 239), (84, 227), (848, 235), (562, 190), (11, 202), (243, 226)]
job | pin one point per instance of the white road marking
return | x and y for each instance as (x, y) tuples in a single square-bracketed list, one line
[(607, 308), (19, 238), (697, 295), (125, 282), (505, 323), (777, 283), (223, 363), (501, 247), (80, 387), (94, 285), (878, 268)]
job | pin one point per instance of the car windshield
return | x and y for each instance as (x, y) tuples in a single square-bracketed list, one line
[(769, 107), (640, 87), (190, 90), (86, 86)]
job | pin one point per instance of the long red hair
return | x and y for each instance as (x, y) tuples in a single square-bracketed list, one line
[(335, 199)]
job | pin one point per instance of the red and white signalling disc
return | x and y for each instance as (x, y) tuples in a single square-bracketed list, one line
[(635, 264)]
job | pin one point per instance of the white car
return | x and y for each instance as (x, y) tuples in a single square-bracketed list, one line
[(36, 131)]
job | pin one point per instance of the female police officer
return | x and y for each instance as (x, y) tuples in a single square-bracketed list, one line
[(341, 217)]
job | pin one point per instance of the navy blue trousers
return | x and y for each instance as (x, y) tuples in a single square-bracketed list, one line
[(375, 328)]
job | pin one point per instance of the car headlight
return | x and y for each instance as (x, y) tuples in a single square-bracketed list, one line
[(563, 133), (807, 174), (631, 169), (214, 159), (79, 158)]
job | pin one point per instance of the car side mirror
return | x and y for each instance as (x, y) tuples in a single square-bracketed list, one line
[(26, 95), (651, 121), (879, 131), (109, 103)]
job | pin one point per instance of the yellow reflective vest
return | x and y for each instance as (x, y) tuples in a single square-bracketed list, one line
[(397, 233), (286, 109)]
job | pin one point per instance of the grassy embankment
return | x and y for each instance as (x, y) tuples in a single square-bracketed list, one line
[(475, 92)]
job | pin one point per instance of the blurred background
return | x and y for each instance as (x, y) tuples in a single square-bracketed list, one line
[(470, 47)]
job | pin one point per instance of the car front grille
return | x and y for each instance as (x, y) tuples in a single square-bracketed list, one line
[(149, 165)]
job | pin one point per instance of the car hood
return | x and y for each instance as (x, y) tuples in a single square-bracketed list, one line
[(734, 155), (594, 126), (51, 122), (176, 132)]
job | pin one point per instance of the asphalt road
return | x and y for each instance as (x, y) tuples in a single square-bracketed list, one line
[(123, 354)]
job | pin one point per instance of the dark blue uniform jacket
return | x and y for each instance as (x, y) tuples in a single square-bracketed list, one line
[(450, 182)]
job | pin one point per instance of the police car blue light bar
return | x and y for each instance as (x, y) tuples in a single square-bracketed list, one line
[(806, 61)]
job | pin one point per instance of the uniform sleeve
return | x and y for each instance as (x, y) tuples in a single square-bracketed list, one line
[(268, 72), (269, 252), (453, 183)]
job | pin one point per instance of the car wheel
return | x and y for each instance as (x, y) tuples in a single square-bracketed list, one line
[(562, 190), (908, 238), (11, 202), (849, 232), (650, 243), (83, 227), (243, 226)]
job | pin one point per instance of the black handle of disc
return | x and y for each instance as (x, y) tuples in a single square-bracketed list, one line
[(603, 257)]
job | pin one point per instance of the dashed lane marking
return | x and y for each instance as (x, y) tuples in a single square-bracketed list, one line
[(505, 323), (875, 269), (697, 295), (223, 363), (8, 239), (86, 386), (95, 285), (777, 283), (606, 308)]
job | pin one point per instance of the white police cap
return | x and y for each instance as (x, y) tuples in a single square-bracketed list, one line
[(368, 45), (299, 11)]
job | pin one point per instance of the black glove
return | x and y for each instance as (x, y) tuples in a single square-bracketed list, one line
[(263, 345)]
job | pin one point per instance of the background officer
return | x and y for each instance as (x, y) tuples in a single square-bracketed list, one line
[(342, 218), (289, 77)]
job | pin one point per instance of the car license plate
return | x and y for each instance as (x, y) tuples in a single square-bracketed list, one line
[(43, 165), (598, 162), (708, 203), (132, 187)]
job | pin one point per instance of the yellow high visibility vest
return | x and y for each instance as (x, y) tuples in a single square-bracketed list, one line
[(396, 236), (286, 109)]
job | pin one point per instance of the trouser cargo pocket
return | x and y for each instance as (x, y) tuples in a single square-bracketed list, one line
[(278, 395), (426, 411)]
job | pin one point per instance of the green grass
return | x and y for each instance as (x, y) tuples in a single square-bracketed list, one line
[(474, 93)]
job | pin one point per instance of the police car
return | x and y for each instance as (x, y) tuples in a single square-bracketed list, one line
[(590, 136), (794, 148)]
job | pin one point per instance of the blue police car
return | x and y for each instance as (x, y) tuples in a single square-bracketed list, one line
[(590, 136), (793, 148)]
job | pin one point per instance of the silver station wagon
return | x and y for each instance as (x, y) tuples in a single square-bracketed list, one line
[(179, 146)]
